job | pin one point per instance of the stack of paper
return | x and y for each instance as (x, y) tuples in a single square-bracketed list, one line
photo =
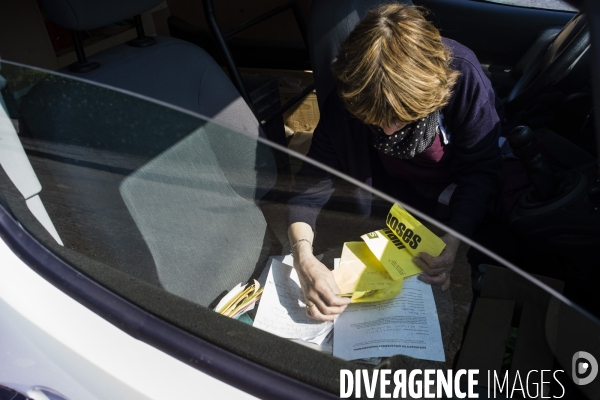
[(407, 324), (371, 272), (282, 309), (239, 300)]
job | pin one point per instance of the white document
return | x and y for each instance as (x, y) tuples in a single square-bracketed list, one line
[(407, 324), (282, 311), (321, 343)]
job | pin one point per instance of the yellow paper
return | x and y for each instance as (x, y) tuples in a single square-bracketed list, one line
[(391, 253), (246, 293), (246, 302), (363, 276), (414, 235), (242, 290)]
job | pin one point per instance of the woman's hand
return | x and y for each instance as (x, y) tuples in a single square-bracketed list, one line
[(319, 288), (437, 269)]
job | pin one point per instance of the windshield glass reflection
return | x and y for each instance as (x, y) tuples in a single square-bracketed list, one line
[(172, 210)]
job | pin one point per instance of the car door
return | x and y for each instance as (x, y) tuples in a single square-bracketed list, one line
[(53, 346), (124, 179)]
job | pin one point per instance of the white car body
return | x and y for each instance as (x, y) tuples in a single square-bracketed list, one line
[(47, 339)]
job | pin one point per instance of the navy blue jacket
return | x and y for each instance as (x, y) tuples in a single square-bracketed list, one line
[(341, 141)]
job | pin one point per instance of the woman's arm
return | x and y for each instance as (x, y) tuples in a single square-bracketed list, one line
[(474, 129), (319, 287), (476, 162), (313, 188)]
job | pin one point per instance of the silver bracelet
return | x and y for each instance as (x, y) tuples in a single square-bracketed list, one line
[(301, 240)]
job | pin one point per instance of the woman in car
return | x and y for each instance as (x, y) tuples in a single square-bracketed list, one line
[(413, 116)]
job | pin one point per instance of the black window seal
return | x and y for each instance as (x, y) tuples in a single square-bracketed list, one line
[(204, 356)]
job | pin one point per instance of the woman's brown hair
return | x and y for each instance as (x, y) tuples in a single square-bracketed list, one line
[(394, 67)]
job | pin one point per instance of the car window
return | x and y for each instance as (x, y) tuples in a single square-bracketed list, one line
[(558, 5), (171, 210)]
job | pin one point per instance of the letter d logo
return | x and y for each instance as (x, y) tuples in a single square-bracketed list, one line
[(582, 367)]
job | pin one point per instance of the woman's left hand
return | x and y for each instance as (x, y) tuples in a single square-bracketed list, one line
[(437, 269)]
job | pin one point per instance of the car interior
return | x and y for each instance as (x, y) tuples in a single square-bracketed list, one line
[(167, 184)]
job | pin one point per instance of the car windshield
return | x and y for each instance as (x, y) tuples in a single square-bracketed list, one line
[(171, 211)]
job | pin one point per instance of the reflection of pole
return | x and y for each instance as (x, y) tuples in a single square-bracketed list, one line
[(78, 48), (300, 21), (209, 13), (139, 27), (82, 65), (15, 163)]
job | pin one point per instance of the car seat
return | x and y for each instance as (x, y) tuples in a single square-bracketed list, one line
[(176, 198), (170, 70)]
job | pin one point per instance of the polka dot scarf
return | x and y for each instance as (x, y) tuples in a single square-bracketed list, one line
[(409, 141)]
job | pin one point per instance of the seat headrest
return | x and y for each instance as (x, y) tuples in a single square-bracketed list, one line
[(80, 15)]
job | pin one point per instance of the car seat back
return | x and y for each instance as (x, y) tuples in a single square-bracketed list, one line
[(131, 177), (173, 184)]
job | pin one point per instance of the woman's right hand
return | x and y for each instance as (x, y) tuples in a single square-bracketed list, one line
[(318, 286), (319, 289)]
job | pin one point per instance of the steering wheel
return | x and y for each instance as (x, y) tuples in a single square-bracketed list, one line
[(566, 59)]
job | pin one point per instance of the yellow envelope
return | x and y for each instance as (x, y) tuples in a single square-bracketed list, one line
[(363, 276), (392, 253), (415, 236)]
